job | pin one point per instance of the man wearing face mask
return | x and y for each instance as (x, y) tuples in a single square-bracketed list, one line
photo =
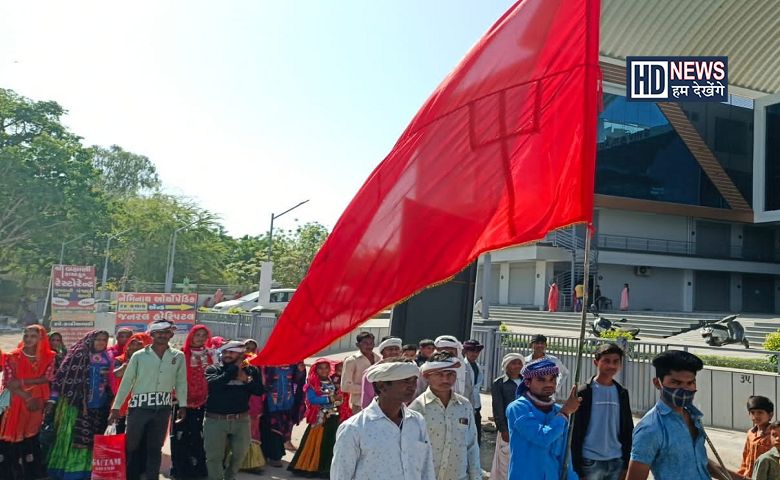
[(669, 440)]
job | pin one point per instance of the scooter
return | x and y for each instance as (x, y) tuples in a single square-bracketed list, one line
[(602, 324), (724, 332)]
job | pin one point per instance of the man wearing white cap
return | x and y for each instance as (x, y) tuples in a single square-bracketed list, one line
[(465, 382), (389, 347), (386, 441), (152, 374), (226, 422), (450, 421)]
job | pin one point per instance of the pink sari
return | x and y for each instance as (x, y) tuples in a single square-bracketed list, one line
[(624, 299)]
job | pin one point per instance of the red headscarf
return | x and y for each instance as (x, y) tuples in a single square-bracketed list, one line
[(213, 342), (142, 337), (116, 350), (313, 382), (198, 358)]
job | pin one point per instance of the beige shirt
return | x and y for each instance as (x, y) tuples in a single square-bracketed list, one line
[(352, 376), (453, 436)]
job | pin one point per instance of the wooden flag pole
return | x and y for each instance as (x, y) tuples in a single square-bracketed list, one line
[(580, 348)]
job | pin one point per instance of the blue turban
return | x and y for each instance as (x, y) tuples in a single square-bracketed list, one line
[(537, 368)]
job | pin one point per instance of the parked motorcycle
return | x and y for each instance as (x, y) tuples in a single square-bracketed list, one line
[(724, 332), (601, 324)]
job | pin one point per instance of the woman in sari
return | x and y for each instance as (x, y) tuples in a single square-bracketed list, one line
[(323, 399), (188, 456), (82, 394), (59, 348), (552, 298), (26, 375), (283, 387)]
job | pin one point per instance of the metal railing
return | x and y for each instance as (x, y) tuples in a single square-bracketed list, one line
[(637, 372), (678, 247)]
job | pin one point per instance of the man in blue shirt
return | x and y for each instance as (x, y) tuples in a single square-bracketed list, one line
[(537, 426), (669, 440)]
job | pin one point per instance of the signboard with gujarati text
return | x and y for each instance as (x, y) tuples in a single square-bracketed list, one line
[(138, 310), (73, 301)]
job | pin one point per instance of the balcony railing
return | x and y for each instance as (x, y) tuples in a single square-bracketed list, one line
[(676, 247)]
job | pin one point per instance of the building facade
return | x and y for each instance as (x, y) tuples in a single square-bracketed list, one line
[(687, 211)]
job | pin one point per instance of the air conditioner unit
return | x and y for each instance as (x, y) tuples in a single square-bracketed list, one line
[(642, 271)]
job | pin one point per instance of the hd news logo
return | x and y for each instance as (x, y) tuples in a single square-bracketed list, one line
[(677, 79)]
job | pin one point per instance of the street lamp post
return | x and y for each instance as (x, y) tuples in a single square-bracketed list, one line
[(62, 248), (105, 264), (172, 256), (266, 268), (271, 229)]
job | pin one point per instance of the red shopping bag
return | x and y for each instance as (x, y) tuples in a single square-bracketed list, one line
[(108, 456)]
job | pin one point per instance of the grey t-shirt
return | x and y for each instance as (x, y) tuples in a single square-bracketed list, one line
[(601, 439)]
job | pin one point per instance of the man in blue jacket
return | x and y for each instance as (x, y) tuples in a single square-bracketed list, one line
[(537, 426)]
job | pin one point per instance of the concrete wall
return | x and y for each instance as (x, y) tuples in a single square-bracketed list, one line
[(662, 290), (644, 225)]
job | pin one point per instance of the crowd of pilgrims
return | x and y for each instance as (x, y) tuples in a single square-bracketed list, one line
[(412, 412)]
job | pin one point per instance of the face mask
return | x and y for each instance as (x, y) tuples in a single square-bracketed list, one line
[(678, 397)]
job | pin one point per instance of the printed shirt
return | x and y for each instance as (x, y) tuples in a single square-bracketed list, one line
[(767, 466), (663, 441), (537, 442), (453, 435), (153, 379), (371, 446), (757, 443), (352, 376)]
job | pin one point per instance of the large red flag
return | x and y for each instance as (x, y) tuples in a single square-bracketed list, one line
[(502, 153)]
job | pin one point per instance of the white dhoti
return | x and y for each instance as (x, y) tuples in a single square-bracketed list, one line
[(500, 469)]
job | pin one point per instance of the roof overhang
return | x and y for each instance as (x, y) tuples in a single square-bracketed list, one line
[(748, 32)]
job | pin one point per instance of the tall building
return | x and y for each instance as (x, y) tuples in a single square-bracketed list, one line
[(687, 194)]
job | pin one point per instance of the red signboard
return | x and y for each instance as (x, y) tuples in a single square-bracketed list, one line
[(137, 310)]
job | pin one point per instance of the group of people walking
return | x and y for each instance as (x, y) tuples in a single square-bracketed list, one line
[(410, 412)]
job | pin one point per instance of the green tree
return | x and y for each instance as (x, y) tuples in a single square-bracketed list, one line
[(124, 173), (295, 251), (142, 253), (48, 191)]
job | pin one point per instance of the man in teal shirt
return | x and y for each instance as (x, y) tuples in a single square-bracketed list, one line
[(152, 376)]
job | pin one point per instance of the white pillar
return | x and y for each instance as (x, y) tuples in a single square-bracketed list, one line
[(540, 284), (735, 290), (688, 290), (503, 284)]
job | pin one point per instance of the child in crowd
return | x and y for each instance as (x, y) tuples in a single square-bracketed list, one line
[(767, 466), (759, 440), (409, 351)]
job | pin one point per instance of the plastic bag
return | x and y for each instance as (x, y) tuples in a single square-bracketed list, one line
[(109, 461)]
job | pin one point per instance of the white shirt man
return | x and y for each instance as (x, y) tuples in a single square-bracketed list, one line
[(449, 418), (386, 441)]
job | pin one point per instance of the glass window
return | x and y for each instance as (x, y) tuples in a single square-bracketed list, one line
[(641, 156), (727, 129), (772, 159)]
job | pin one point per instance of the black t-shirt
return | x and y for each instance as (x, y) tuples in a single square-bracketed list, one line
[(228, 395)]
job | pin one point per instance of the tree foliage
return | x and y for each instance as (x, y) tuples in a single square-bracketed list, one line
[(48, 191), (124, 173), (53, 189)]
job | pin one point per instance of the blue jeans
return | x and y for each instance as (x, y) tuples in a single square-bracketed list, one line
[(602, 469)]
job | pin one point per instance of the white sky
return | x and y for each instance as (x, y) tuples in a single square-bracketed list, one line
[(247, 107)]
